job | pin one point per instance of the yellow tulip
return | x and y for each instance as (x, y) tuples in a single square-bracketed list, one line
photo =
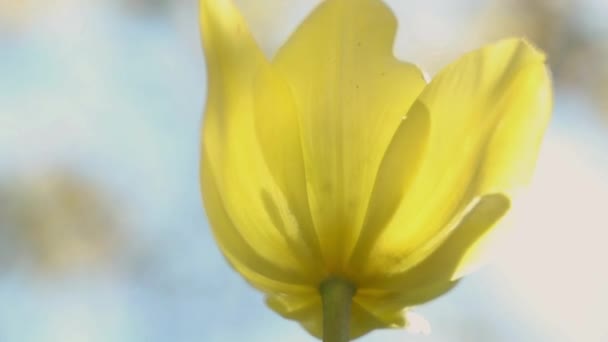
[(335, 160)]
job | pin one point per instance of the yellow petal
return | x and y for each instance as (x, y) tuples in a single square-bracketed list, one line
[(433, 276), (397, 171), (260, 271), (246, 191), (278, 132), (512, 151), (351, 95), (469, 103)]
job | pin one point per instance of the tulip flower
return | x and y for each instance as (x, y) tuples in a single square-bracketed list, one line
[(340, 183)]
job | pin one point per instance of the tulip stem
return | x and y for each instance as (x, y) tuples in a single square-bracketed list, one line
[(337, 296)]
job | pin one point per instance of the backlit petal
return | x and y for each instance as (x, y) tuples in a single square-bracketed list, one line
[(469, 103), (245, 190), (433, 276), (260, 271), (512, 151), (351, 95), (278, 132), (398, 170)]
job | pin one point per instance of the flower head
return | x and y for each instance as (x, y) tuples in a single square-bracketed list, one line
[(335, 159)]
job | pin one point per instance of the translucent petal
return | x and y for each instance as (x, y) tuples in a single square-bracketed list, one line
[(351, 95), (512, 151), (246, 192), (513, 145), (397, 171), (259, 271), (433, 276), (278, 132), (469, 103)]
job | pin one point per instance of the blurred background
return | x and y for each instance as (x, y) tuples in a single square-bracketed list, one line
[(102, 233)]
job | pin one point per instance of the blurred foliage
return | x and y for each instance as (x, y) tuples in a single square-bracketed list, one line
[(13, 16), (57, 223)]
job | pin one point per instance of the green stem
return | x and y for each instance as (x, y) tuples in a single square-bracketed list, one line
[(337, 296)]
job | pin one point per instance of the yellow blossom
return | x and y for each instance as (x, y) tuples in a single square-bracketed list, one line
[(335, 159)]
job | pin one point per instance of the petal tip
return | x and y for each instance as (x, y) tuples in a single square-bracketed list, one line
[(527, 46)]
